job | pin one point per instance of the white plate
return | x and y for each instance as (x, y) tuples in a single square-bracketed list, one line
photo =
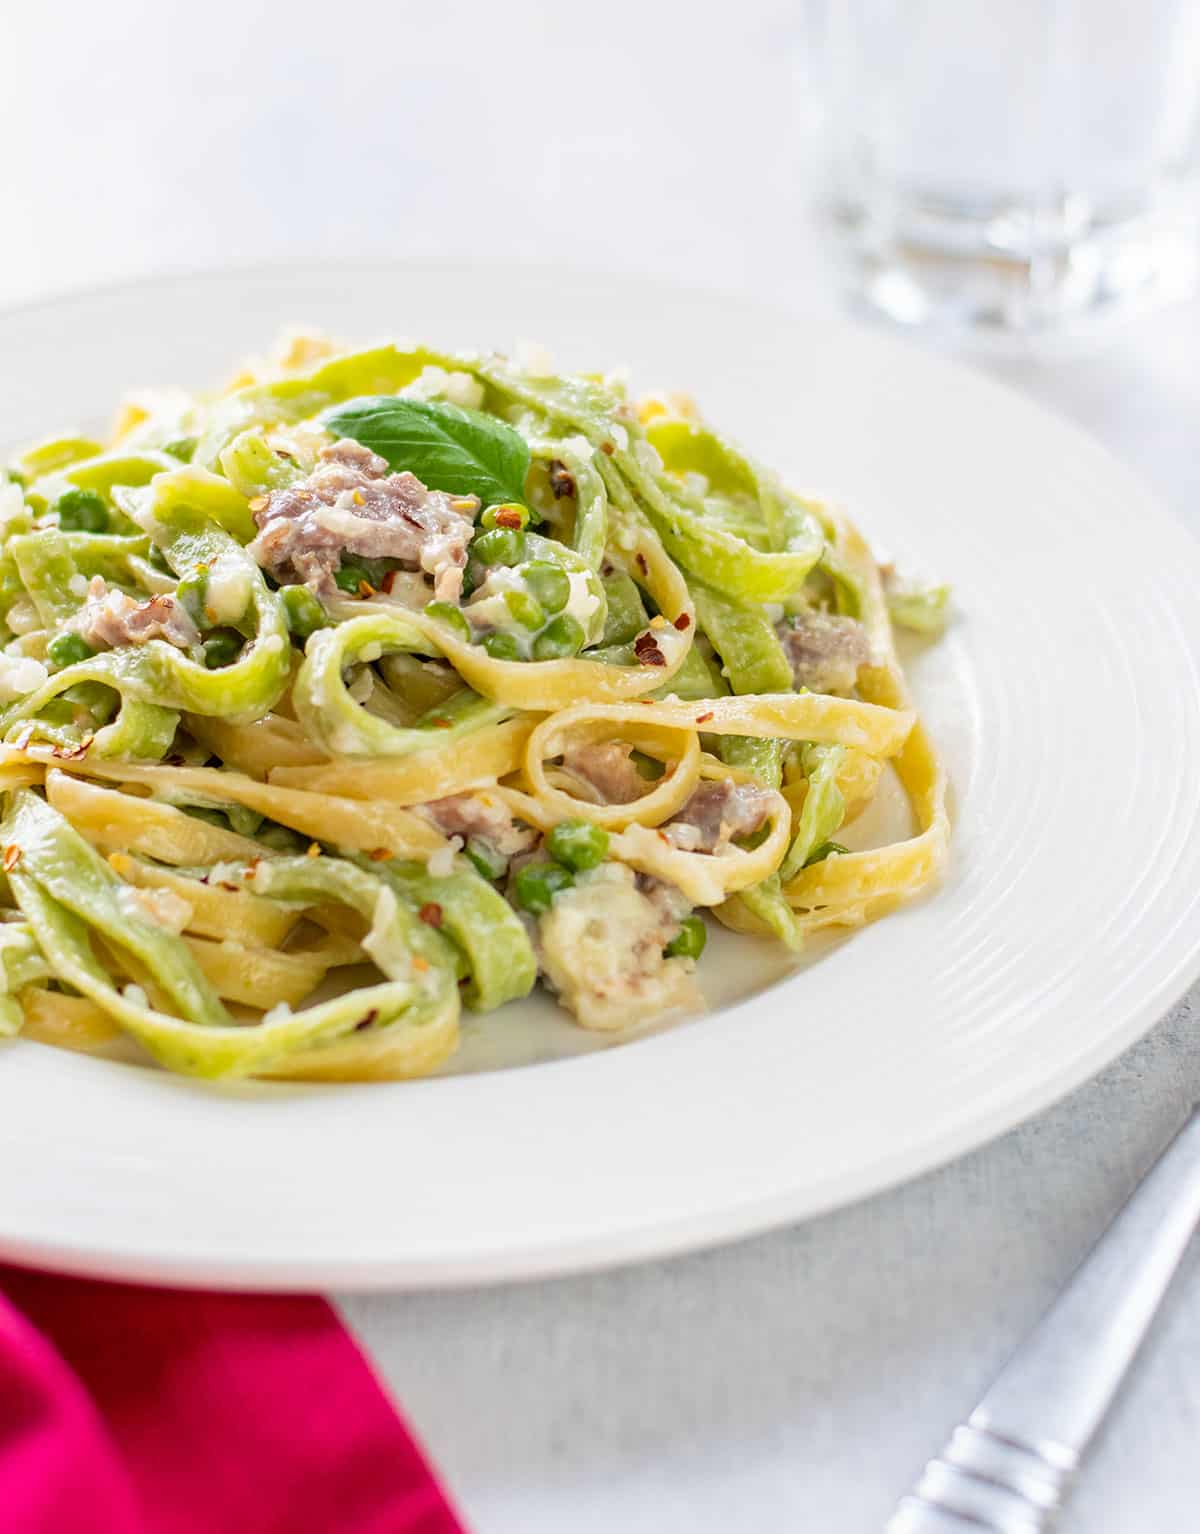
[(1065, 702)]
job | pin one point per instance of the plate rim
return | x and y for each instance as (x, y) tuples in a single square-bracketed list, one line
[(727, 1222)]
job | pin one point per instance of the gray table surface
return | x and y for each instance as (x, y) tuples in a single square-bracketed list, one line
[(798, 1380)]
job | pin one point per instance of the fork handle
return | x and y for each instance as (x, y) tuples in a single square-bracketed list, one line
[(1009, 1467)]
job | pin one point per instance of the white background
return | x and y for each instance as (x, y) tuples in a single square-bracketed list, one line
[(797, 1381)]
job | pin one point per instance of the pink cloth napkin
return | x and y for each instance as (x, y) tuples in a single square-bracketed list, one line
[(149, 1411)]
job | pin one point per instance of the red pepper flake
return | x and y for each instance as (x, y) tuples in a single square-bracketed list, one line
[(608, 447), (380, 854), (704, 718), (232, 887), (645, 647), (251, 868), (421, 965), (508, 516), (640, 561), (441, 724), (389, 582), (683, 622), (12, 856), (562, 481), (260, 503), (73, 753), (431, 913), (313, 850), (365, 1022), (365, 589)]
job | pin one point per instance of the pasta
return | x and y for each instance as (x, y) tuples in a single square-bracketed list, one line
[(386, 683)]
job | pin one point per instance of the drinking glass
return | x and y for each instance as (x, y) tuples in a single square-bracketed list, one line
[(1016, 165)]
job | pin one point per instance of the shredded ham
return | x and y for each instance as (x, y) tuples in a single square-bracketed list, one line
[(606, 769), (350, 504), (113, 618), (717, 811), (825, 650), (480, 815)]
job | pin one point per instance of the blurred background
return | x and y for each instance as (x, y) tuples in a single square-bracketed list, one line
[(733, 147), (640, 135)]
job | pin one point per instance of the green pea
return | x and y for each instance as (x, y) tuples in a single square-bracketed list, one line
[(81, 511), (577, 844), (502, 546), (549, 583), (303, 612), (537, 884), (525, 610), (68, 649), (222, 649), (485, 859), (509, 514), (501, 646), (562, 636), (349, 577), (689, 941), (452, 617)]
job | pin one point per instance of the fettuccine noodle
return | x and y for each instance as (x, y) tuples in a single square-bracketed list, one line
[(389, 682)]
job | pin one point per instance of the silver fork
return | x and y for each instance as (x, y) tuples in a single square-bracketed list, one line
[(1009, 1467)]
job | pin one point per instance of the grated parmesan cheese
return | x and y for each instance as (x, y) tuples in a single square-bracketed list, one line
[(583, 601), (227, 594), (533, 359), (22, 616), (461, 389), (19, 676), (434, 382), (441, 862)]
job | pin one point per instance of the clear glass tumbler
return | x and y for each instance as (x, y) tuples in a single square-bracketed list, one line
[(1014, 165)]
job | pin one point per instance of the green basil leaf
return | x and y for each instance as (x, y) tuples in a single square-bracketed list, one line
[(463, 452)]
